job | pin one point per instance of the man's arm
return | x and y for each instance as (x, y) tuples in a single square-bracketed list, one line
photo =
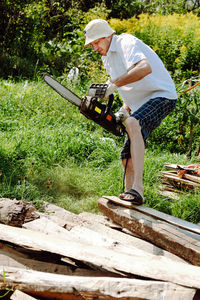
[(135, 73)]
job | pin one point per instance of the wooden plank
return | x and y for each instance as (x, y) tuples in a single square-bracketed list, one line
[(100, 235), (119, 201), (67, 287), (13, 258), (68, 219), (134, 263), (190, 177), (130, 240), (161, 216), (169, 194), (18, 295), (180, 181), (81, 235), (179, 167), (48, 227), (153, 230), (60, 215), (87, 217)]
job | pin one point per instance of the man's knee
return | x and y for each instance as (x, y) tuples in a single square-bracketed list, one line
[(133, 126)]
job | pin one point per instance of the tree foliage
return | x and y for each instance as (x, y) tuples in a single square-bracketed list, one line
[(47, 34)]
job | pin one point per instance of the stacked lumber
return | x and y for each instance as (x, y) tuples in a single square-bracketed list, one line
[(126, 253), (180, 177)]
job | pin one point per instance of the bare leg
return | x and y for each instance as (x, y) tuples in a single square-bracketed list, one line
[(134, 171), (129, 173)]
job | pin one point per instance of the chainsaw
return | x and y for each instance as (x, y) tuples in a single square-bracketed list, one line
[(89, 106)]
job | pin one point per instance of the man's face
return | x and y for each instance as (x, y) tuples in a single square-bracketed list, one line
[(101, 45)]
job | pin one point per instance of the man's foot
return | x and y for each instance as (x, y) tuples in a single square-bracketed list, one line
[(133, 196)]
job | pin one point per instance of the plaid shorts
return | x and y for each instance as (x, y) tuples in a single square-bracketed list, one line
[(150, 115)]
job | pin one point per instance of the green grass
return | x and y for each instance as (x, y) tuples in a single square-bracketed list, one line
[(50, 152)]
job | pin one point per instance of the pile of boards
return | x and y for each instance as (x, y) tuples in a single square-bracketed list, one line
[(122, 253), (180, 177)]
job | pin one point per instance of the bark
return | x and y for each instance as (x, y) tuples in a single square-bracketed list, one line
[(16, 213)]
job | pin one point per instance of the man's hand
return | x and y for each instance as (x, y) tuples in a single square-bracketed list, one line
[(101, 90), (122, 114), (110, 89)]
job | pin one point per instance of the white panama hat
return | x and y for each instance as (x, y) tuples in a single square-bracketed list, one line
[(97, 29)]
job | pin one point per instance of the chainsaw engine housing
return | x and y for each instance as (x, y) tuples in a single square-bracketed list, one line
[(101, 114)]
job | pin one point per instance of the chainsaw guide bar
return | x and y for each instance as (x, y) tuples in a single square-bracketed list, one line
[(89, 106), (62, 90)]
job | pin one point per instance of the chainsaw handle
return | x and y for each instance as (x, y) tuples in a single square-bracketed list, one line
[(110, 102)]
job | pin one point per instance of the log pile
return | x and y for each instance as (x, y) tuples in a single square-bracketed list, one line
[(124, 253), (180, 178)]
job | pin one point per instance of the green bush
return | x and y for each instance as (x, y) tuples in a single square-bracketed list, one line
[(180, 131), (175, 38)]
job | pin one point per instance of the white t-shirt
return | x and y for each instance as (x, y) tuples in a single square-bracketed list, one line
[(126, 50)]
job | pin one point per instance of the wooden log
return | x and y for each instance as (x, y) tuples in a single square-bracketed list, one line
[(18, 295), (16, 213), (67, 287), (161, 233), (162, 216), (150, 266)]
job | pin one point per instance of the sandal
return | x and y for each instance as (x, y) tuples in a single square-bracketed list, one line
[(136, 199)]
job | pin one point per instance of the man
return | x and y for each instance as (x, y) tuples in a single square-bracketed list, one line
[(147, 91)]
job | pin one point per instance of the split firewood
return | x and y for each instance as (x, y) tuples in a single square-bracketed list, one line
[(80, 234), (127, 239), (16, 212)]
